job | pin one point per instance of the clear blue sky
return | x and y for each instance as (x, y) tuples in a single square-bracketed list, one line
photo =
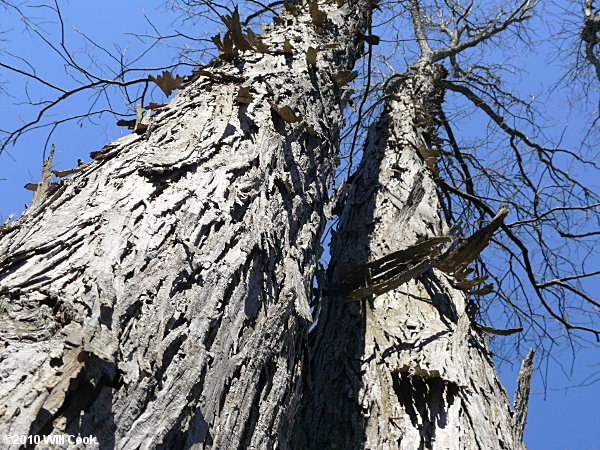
[(558, 418)]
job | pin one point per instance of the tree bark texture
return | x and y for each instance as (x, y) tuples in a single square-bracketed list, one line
[(159, 298), (403, 369)]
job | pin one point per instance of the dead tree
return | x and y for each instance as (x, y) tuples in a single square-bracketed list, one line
[(159, 297)]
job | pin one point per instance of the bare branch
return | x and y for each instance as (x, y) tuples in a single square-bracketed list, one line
[(493, 27), (415, 12)]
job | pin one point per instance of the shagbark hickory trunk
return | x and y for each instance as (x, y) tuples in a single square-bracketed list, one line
[(158, 298), (403, 368)]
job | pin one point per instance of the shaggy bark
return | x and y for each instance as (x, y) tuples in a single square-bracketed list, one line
[(159, 298), (405, 368), (590, 35)]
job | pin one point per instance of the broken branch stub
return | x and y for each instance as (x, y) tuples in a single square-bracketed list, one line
[(42, 188)]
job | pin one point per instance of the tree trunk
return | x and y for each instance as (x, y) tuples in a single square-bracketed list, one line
[(404, 368), (159, 298)]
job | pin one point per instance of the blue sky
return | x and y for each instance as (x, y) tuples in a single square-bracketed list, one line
[(559, 418)]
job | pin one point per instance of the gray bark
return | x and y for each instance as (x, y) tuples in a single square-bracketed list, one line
[(590, 35), (522, 395), (404, 368), (159, 298)]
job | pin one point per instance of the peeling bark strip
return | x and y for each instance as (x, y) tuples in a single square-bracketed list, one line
[(393, 270), (387, 273), (467, 252), (404, 368), (161, 300)]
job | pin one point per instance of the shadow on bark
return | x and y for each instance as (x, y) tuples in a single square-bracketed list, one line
[(331, 415), (87, 409)]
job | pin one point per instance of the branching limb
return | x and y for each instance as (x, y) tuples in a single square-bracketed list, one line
[(14, 135), (545, 154), (98, 84), (415, 12), (528, 266), (484, 32)]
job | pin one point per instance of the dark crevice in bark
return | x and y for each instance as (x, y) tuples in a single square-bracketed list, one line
[(95, 376), (174, 323), (190, 429), (169, 353), (162, 178), (106, 315), (197, 428), (129, 247), (129, 275), (255, 283), (439, 297), (132, 312), (426, 401), (262, 389), (213, 329), (185, 280)]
